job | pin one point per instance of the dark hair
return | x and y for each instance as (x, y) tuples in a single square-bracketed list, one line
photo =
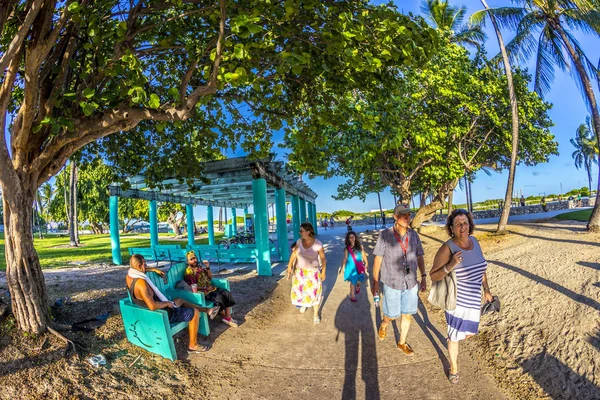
[(307, 226), (455, 213), (136, 261), (357, 244)]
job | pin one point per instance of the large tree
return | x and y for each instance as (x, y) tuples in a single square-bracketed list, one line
[(544, 28), (194, 74), (450, 117)]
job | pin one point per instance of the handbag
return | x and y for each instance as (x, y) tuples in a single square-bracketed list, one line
[(360, 266), (443, 292)]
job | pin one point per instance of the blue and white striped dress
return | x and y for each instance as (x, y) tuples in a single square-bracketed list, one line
[(464, 320)]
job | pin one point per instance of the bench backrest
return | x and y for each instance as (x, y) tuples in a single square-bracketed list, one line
[(147, 252), (159, 283), (162, 250), (175, 273), (177, 255)]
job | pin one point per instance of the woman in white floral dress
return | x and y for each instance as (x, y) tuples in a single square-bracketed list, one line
[(307, 281)]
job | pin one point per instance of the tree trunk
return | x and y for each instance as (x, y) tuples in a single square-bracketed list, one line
[(71, 215), (221, 219), (450, 199), (174, 223), (467, 193), (470, 197), (423, 199), (66, 197), (23, 271), (515, 127), (594, 222), (427, 212), (75, 212), (37, 214)]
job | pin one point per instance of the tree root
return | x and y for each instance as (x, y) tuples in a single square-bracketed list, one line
[(70, 344)]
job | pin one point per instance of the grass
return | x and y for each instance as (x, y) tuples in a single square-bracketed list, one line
[(94, 249), (581, 215)]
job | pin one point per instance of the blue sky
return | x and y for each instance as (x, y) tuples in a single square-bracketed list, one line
[(567, 113)]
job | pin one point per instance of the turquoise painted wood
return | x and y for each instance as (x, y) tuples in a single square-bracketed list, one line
[(189, 212), (314, 218), (162, 251), (261, 226), (211, 225), (148, 253), (295, 217), (115, 240), (281, 216), (303, 211), (309, 213), (153, 223), (206, 252), (233, 222)]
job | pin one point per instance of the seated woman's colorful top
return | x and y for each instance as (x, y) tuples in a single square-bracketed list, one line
[(199, 276)]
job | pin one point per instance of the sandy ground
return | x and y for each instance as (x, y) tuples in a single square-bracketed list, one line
[(544, 344)]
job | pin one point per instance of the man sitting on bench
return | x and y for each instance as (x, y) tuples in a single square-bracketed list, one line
[(145, 294), (201, 276)]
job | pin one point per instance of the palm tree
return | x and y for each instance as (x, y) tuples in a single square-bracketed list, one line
[(554, 47), (503, 222), (585, 153), (448, 18)]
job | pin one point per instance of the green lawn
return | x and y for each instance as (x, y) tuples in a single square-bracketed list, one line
[(581, 215), (95, 248)]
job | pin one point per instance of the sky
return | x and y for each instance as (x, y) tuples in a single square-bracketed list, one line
[(567, 113)]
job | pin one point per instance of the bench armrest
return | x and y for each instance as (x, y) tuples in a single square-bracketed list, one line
[(222, 283)]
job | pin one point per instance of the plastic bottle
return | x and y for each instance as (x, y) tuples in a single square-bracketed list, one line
[(376, 300)]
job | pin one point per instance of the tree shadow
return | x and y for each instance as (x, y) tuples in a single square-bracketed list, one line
[(572, 241), (561, 289), (558, 379), (43, 358), (588, 264), (432, 238), (353, 320)]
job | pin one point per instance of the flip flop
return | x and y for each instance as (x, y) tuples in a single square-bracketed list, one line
[(201, 349), (353, 299), (453, 378)]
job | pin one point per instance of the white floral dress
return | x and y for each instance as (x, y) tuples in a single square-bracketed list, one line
[(307, 287)]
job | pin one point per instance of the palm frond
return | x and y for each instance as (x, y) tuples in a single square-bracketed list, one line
[(507, 17), (458, 17), (586, 21), (589, 68), (551, 53), (473, 36)]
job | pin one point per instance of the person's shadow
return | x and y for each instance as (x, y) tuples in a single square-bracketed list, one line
[(354, 323)]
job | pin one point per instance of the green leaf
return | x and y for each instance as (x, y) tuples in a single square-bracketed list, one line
[(160, 126), (254, 28), (74, 7), (88, 93), (154, 101), (239, 51)]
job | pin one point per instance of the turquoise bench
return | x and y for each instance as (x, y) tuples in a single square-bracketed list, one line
[(206, 251), (177, 255), (162, 250), (151, 330), (148, 253), (238, 255)]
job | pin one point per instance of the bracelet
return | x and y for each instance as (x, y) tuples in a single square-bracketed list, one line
[(423, 275), (446, 271)]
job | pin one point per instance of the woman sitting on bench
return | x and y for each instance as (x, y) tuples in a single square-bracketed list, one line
[(201, 276), (145, 294)]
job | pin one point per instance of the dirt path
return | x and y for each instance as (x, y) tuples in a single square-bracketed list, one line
[(278, 353)]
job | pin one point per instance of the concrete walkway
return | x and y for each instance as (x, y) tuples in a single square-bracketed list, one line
[(278, 353)]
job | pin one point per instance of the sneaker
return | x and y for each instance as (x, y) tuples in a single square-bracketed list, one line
[(231, 322), (213, 312), (317, 320), (302, 309)]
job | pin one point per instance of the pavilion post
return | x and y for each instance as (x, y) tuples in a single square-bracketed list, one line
[(233, 222), (309, 214), (115, 240), (153, 224), (316, 224), (295, 217), (282, 238), (211, 225), (261, 226), (302, 211), (189, 211)]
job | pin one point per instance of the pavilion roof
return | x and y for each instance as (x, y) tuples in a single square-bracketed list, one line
[(230, 184)]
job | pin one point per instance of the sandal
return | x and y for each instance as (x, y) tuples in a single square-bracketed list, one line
[(353, 299), (382, 332), (453, 378), (213, 312), (201, 349), (357, 289), (317, 320)]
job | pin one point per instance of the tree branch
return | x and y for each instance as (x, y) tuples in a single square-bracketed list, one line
[(15, 44)]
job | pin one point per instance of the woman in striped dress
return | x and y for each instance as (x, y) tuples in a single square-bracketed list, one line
[(462, 254)]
